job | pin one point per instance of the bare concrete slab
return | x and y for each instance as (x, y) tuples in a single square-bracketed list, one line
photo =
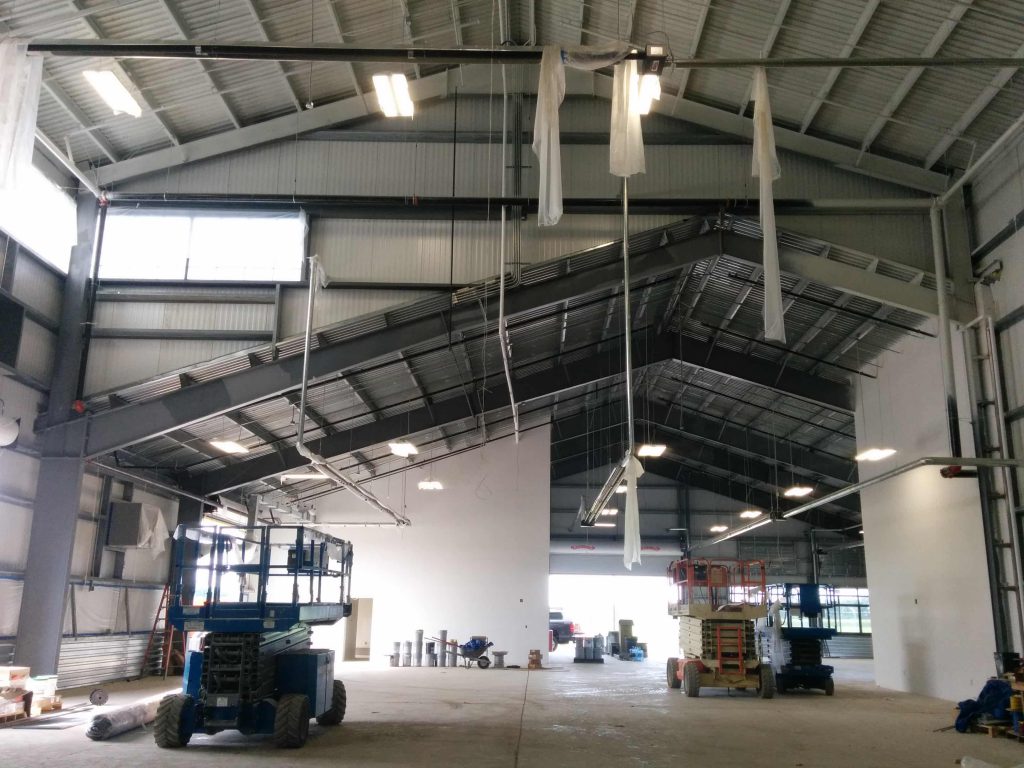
[(615, 714)]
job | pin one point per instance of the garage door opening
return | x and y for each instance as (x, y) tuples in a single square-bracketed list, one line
[(596, 604)]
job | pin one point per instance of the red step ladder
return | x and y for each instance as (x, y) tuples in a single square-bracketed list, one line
[(729, 649), (167, 634)]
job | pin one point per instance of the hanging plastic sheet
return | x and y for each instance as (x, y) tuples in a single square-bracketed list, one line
[(626, 149), (20, 78), (550, 93), (631, 542), (766, 168)]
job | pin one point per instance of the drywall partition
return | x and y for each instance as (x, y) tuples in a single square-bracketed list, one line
[(474, 561), (924, 543)]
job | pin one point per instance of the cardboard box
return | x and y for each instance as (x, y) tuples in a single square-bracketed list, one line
[(13, 677)]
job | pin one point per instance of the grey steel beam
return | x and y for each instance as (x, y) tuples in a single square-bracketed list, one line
[(181, 334), (116, 428), (59, 486), (447, 411), (833, 74), (913, 75)]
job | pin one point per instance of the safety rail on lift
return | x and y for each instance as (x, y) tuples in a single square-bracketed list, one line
[(718, 582), (258, 579)]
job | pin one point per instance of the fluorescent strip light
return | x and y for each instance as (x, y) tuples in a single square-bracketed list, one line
[(229, 446), (798, 491), (232, 518), (604, 525), (648, 90), (875, 454), (299, 478), (609, 512), (718, 528), (650, 450), (405, 449), (750, 514), (430, 485), (742, 529), (393, 95), (112, 91), (621, 489)]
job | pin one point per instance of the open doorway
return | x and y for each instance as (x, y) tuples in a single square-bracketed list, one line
[(596, 604), (357, 638)]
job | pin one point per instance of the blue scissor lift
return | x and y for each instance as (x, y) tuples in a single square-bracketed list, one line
[(254, 593), (793, 634)]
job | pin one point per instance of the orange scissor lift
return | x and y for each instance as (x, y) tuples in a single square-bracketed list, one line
[(717, 604)]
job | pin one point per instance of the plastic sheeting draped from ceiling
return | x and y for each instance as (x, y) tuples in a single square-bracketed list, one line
[(766, 169), (546, 131), (631, 541), (20, 79)]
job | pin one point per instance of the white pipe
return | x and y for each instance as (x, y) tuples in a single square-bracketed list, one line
[(318, 462), (945, 340), (628, 317), (69, 166), (502, 330)]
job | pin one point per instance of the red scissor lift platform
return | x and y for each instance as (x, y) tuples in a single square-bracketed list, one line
[(717, 604)]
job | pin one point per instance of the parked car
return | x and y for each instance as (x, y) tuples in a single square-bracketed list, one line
[(561, 629)]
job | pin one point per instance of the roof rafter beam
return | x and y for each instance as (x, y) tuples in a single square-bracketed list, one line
[(833, 74), (57, 94), (335, 16), (987, 95), (913, 75)]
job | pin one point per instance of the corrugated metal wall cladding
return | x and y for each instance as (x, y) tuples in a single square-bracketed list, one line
[(37, 286), (241, 317), (91, 660), (38, 346)]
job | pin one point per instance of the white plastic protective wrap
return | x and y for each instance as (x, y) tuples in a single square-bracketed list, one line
[(546, 144), (20, 78), (626, 148), (631, 541), (123, 719), (766, 168), (546, 131)]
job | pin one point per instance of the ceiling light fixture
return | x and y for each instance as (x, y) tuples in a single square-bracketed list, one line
[(405, 449), (875, 454), (393, 95), (430, 485), (229, 446), (609, 512), (604, 525), (113, 91), (798, 491), (742, 529), (621, 489), (750, 514), (300, 478), (718, 528), (230, 517), (648, 90), (650, 450)]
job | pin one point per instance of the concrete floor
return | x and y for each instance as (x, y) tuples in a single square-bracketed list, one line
[(617, 714)]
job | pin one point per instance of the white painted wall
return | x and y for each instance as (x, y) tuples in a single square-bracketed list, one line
[(924, 545), (474, 561)]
